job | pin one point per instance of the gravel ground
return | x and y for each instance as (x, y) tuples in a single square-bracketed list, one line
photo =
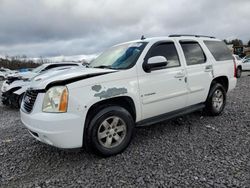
[(190, 151)]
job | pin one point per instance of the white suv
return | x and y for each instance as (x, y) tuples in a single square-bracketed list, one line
[(131, 84)]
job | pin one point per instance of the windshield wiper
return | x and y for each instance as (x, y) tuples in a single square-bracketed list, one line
[(104, 67)]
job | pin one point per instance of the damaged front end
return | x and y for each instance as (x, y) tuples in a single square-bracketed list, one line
[(9, 98), (11, 79)]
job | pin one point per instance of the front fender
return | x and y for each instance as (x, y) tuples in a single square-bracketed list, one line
[(85, 97)]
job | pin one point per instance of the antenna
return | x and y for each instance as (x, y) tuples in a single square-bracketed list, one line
[(142, 37)]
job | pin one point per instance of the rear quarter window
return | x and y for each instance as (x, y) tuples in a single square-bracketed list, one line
[(219, 50)]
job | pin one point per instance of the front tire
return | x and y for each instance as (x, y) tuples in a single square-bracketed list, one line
[(110, 131), (216, 100)]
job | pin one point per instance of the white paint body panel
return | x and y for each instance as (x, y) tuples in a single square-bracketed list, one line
[(246, 65), (153, 94)]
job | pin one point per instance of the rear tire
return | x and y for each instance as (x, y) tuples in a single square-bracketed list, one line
[(109, 131), (238, 72), (216, 100)]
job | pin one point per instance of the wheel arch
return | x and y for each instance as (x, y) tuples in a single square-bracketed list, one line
[(239, 66), (123, 101), (223, 80)]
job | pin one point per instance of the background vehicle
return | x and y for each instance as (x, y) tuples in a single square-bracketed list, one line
[(246, 57), (136, 83), (238, 62), (246, 65), (15, 86), (30, 74), (4, 73)]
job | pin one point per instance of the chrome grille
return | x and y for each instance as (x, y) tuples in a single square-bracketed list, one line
[(29, 100)]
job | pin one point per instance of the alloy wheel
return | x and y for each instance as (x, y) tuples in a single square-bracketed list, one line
[(112, 132)]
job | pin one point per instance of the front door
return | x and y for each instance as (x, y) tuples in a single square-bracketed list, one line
[(163, 90)]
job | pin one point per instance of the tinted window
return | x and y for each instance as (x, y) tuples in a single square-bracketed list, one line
[(193, 53), (167, 50), (58, 65), (219, 50)]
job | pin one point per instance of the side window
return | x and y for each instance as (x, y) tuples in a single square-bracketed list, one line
[(167, 50), (57, 65), (193, 53), (65, 65), (47, 68), (219, 50)]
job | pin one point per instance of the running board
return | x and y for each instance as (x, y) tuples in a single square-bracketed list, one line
[(170, 115)]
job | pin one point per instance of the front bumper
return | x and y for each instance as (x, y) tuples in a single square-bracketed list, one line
[(62, 130)]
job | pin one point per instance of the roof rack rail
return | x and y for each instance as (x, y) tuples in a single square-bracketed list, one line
[(184, 35)]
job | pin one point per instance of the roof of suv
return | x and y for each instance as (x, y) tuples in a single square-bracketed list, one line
[(177, 37)]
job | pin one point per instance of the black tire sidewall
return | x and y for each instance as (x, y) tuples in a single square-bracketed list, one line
[(98, 119), (20, 100), (238, 73), (209, 104)]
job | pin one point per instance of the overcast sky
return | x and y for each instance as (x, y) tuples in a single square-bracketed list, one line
[(70, 27)]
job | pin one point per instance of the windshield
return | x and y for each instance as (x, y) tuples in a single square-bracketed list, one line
[(38, 69), (119, 57)]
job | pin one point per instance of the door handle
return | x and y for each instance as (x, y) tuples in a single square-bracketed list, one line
[(179, 75), (209, 68)]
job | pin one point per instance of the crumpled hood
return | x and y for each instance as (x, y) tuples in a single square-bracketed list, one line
[(63, 76), (26, 75)]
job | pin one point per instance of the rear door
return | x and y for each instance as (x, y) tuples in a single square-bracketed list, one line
[(199, 71)]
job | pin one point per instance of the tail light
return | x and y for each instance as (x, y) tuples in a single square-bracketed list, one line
[(235, 69)]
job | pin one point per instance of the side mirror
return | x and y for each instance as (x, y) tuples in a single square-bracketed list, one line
[(156, 62)]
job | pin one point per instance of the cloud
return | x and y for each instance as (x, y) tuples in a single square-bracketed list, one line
[(63, 27)]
